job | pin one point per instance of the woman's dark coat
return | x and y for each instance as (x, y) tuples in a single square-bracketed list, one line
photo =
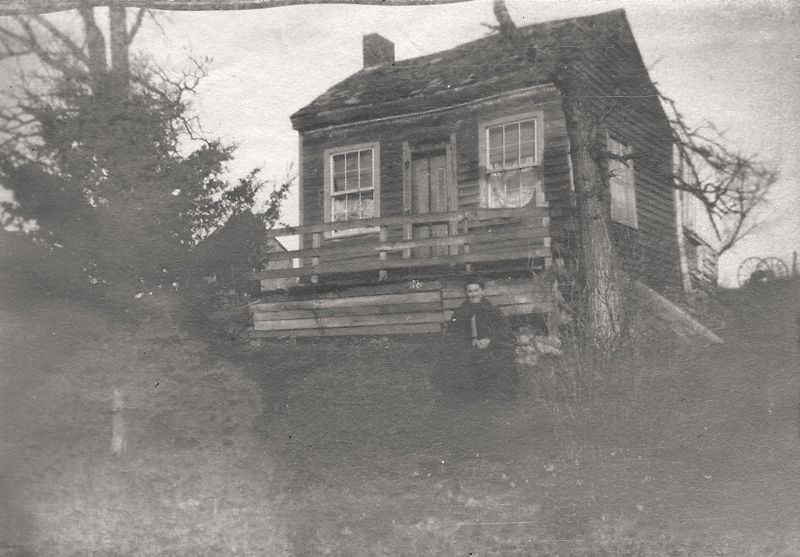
[(467, 371)]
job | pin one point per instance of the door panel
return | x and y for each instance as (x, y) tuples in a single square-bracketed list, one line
[(429, 194)]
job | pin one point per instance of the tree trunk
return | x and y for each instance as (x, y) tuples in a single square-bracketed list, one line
[(603, 305), (118, 34), (507, 25), (96, 45)]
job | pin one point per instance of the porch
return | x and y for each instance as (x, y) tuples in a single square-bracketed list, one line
[(404, 274)]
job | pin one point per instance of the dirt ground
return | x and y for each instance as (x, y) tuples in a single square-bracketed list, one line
[(345, 448)]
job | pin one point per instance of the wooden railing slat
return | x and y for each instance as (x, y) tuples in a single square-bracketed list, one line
[(473, 236), (516, 252), (526, 233), (428, 218), (342, 252)]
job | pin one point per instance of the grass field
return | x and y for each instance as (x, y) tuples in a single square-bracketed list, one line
[(344, 448)]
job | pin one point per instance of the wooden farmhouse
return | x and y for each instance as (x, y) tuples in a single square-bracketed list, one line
[(415, 173)]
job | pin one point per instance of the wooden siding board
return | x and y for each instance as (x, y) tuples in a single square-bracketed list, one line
[(651, 251)]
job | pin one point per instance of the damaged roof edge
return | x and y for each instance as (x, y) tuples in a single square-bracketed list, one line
[(470, 71), (505, 95)]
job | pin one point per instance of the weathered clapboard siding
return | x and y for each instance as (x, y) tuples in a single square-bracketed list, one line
[(461, 122), (637, 119), (394, 308), (702, 261)]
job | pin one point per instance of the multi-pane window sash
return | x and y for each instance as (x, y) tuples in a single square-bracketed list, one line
[(352, 185), (622, 184), (511, 157)]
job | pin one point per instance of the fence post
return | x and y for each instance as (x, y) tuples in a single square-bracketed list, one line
[(408, 235), (316, 242), (118, 442), (383, 237), (794, 264)]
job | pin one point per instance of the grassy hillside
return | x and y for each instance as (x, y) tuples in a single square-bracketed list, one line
[(344, 448), (196, 478)]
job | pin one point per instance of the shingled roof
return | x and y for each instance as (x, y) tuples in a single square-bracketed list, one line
[(474, 70)]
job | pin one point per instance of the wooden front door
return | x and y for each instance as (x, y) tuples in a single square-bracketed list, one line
[(429, 194)]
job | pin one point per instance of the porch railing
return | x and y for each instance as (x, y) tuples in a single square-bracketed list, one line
[(457, 238)]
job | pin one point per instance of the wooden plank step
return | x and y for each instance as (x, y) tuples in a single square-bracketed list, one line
[(347, 310), (389, 319), (410, 329), (518, 309), (285, 324), (419, 307), (501, 300), (287, 314), (379, 299), (493, 288), (351, 291), (349, 321)]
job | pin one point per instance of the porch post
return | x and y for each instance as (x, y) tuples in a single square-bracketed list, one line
[(465, 249), (383, 237), (316, 242)]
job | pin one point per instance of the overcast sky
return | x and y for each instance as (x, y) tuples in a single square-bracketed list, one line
[(736, 63)]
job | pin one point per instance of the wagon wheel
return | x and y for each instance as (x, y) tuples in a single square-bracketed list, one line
[(746, 269), (772, 268)]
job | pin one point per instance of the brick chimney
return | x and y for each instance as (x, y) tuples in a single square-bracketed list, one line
[(378, 51)]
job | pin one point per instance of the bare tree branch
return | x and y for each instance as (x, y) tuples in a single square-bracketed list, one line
[(729, 186), (28, 43), (137, 24), (67, 41)]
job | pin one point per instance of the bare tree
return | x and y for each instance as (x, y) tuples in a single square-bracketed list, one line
[(58, 50), (729, 185), (114, 79), (93, 145)]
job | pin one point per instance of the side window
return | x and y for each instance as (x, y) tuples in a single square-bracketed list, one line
[(511, 161), (622, 183), (352, 183)]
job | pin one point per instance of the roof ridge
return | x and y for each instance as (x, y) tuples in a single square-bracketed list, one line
[(491, 36), (468, 70)]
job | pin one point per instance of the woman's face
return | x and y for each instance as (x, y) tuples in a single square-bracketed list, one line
[(474, 293)]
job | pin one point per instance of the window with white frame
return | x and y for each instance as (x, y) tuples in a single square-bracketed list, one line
[(622, 183), (352, 183), (511, 158)]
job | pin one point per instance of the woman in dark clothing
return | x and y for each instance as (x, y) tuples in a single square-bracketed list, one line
[(479, 351)]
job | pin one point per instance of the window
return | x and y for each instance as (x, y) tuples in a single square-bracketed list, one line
[(511, 157), (622, 184), (352, 184)]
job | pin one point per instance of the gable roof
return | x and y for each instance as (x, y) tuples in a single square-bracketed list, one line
[(478, 69)]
